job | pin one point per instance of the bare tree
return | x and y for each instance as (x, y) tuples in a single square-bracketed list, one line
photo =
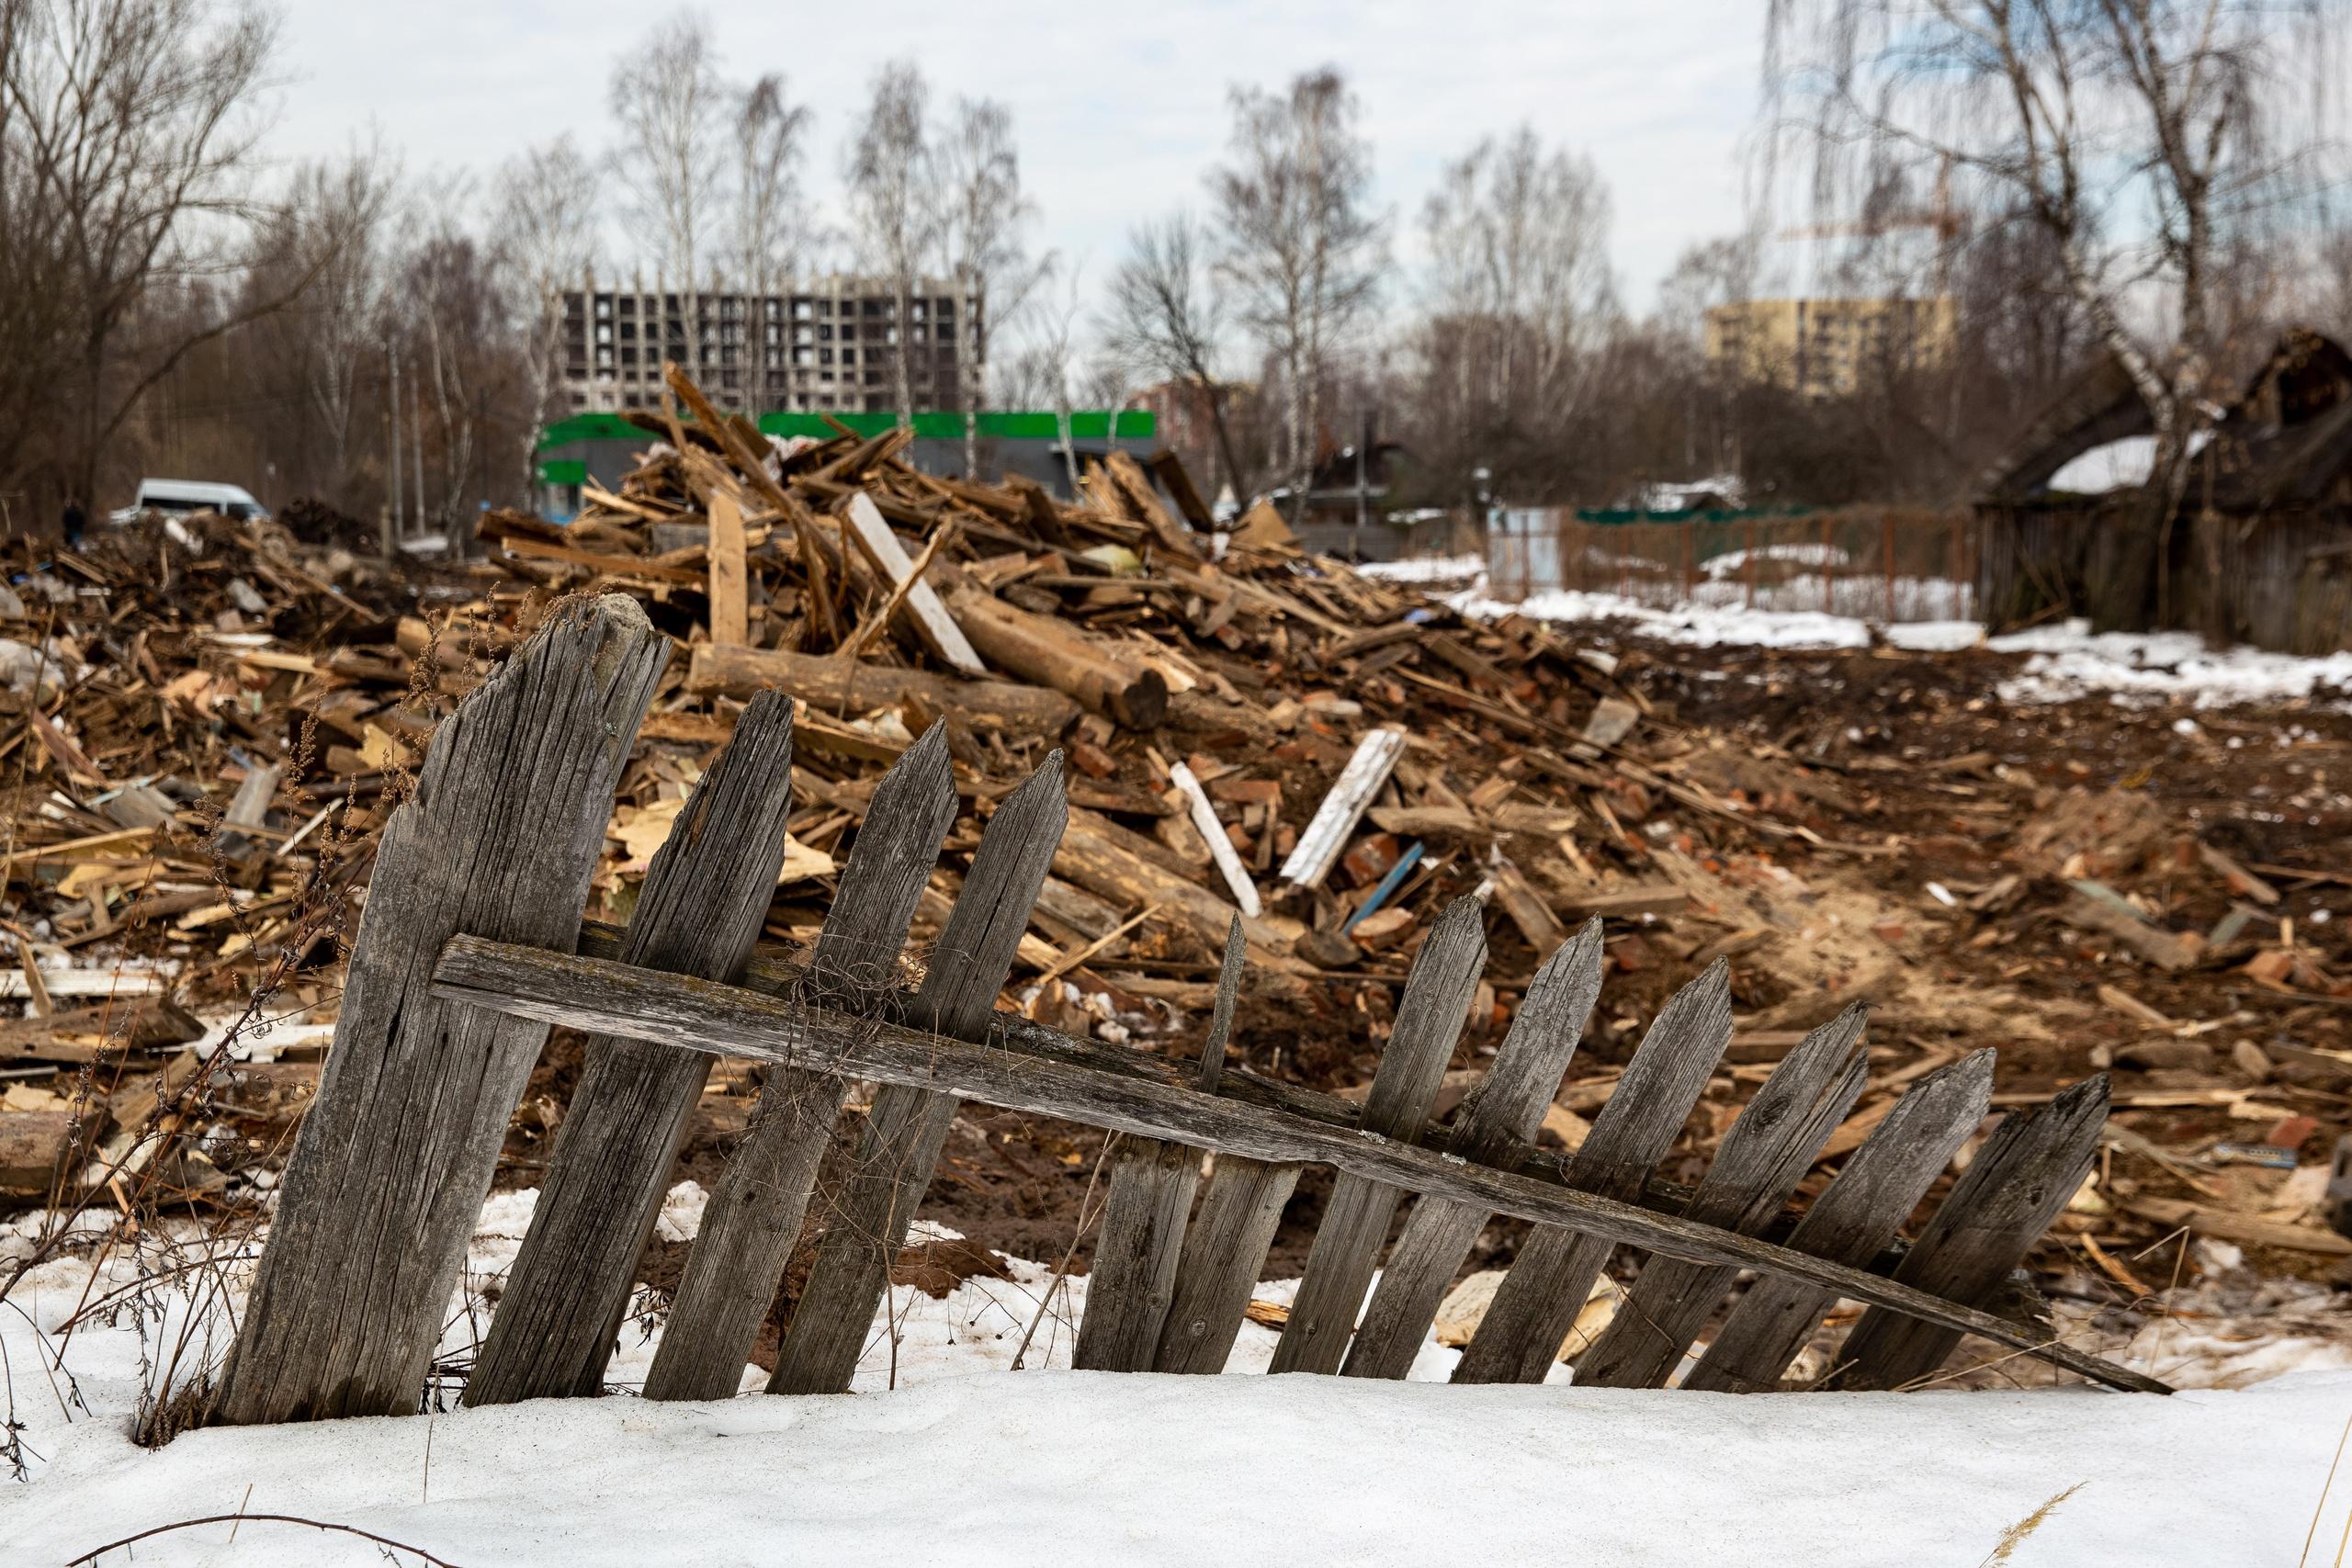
[(125, 130), (893, 205), (668, 103), (544, 204), (770, 214), (1520, 292), (2140, 135), (1166, 317), (1301, 248), (980, 223)]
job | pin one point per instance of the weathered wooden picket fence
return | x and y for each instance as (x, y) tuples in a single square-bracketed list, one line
[(473, 944)]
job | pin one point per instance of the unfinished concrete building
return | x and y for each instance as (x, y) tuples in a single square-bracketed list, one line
[(827, 344)]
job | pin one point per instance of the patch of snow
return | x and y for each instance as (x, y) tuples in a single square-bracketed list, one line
[(1426, 569), (2118, 465), (963, 1461), (2067, 660)]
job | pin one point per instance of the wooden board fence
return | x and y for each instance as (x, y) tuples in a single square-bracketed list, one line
[(457, 974)]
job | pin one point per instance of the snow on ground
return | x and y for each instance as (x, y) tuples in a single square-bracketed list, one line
[(968, 1463), (2067, 660), (1427, 568)]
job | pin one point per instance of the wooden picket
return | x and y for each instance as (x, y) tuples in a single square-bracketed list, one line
[(453, 977)]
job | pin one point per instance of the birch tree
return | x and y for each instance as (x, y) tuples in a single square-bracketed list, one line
[(894, 207), (1302, 249), (668, 105), (545, 202), (2141, 136), (981, 226), (770, 210)]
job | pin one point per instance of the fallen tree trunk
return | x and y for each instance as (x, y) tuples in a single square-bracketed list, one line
[(1017, 711), (1057, 655)]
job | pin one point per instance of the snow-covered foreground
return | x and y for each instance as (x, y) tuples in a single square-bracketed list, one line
[(945, 1455), (1100, 1468), (2066, 661)]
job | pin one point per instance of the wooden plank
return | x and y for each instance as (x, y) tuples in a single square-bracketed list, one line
[(1318, 847), (2000, 1206), (904, 1131), (755, 1215), (1538, 1301), (1220, 845), (1029, 1068), (1762, 1158), (1224, 1251), (730, 605), (699, 912), (1142, 1235), (1019, 713), (1502, 1112), (932, 623), (1134, 487), (1355, 1223), (1858, 1213), (347, 1304)]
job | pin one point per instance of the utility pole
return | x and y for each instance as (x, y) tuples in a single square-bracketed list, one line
[(416, 444), (391, 531), (1364, 489)]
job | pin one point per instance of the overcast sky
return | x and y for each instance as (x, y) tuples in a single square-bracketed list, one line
[(1119, 110)]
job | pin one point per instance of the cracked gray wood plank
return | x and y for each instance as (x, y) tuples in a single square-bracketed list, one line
[(1860, 1211), (753, 1217), (1996, 1211), (499, 839), (1763, 1156), (1142, 1235), (1537, 1302), (700, 909), (899, 1149), (1347, 1244), (1504, 1110)]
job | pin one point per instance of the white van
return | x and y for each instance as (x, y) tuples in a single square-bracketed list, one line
[(178, 497)]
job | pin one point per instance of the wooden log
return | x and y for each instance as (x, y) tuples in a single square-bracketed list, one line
[(731, 605), (698, 1015), (934, 625), (1355, 1223), (1538, 1301), (1858, 1213), (1504, 1110), (348, 1302), (1762, 1158), (904, 1131), (755, 1215), (698, 912), (1018, 713), (1054, 653), (1142, 1235), (2000, 1206), (1096, 856)]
